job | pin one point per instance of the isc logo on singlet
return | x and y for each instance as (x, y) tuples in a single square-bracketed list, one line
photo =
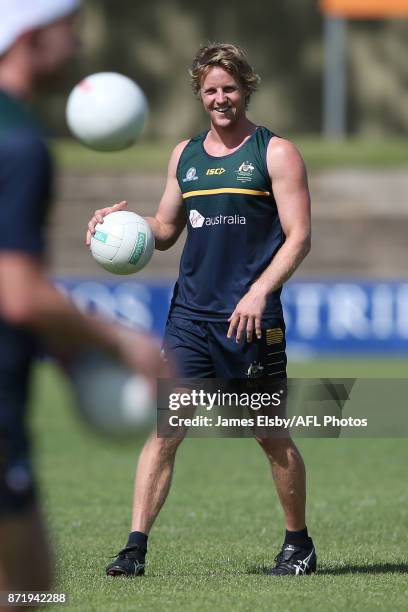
[(211, 171)]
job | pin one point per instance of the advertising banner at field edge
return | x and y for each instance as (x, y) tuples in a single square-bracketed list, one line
[(322, 316)]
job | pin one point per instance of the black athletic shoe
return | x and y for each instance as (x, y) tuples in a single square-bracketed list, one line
[(129, 562), (294, 561)]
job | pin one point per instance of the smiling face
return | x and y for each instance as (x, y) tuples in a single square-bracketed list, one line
[(223, 98)]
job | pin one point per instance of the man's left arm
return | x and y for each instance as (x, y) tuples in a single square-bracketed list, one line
[(289, 183)]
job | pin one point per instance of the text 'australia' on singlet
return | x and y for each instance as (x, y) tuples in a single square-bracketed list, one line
[(233, 228)]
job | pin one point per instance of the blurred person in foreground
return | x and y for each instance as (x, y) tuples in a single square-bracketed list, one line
[(37, 38), (243, 193)]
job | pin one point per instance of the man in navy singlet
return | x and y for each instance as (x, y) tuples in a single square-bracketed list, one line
[(242, 192)]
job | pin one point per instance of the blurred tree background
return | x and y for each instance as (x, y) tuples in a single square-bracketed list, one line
[(154, 42)]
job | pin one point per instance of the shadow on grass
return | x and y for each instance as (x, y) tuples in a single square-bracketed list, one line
[(375, 568), (261, 570)]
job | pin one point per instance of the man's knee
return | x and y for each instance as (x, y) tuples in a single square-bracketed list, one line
[(166, 447), (276, 446)]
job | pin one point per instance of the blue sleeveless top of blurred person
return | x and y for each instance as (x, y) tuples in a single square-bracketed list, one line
[(25, 189)]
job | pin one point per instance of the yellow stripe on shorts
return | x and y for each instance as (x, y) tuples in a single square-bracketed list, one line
[(274, 335)]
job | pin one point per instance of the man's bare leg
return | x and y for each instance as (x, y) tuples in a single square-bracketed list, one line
[(297, 556), (153, 479), (25, 555), (289, 474), (152, 484)]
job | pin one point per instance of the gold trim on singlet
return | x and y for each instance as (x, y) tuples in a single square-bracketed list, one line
[(202, 192)]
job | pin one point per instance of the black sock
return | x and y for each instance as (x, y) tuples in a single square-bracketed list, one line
[(298, 538), (137, 538)]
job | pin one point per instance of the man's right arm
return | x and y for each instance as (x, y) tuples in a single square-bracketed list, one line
[(29, 300), (169, 220)]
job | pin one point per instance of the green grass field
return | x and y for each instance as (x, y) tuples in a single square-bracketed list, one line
[(222, 523)]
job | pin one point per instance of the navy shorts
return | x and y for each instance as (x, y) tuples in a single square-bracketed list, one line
[(17, 489), (201, 349)]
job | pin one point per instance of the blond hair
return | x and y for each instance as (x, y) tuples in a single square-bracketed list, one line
[(230, 58)]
